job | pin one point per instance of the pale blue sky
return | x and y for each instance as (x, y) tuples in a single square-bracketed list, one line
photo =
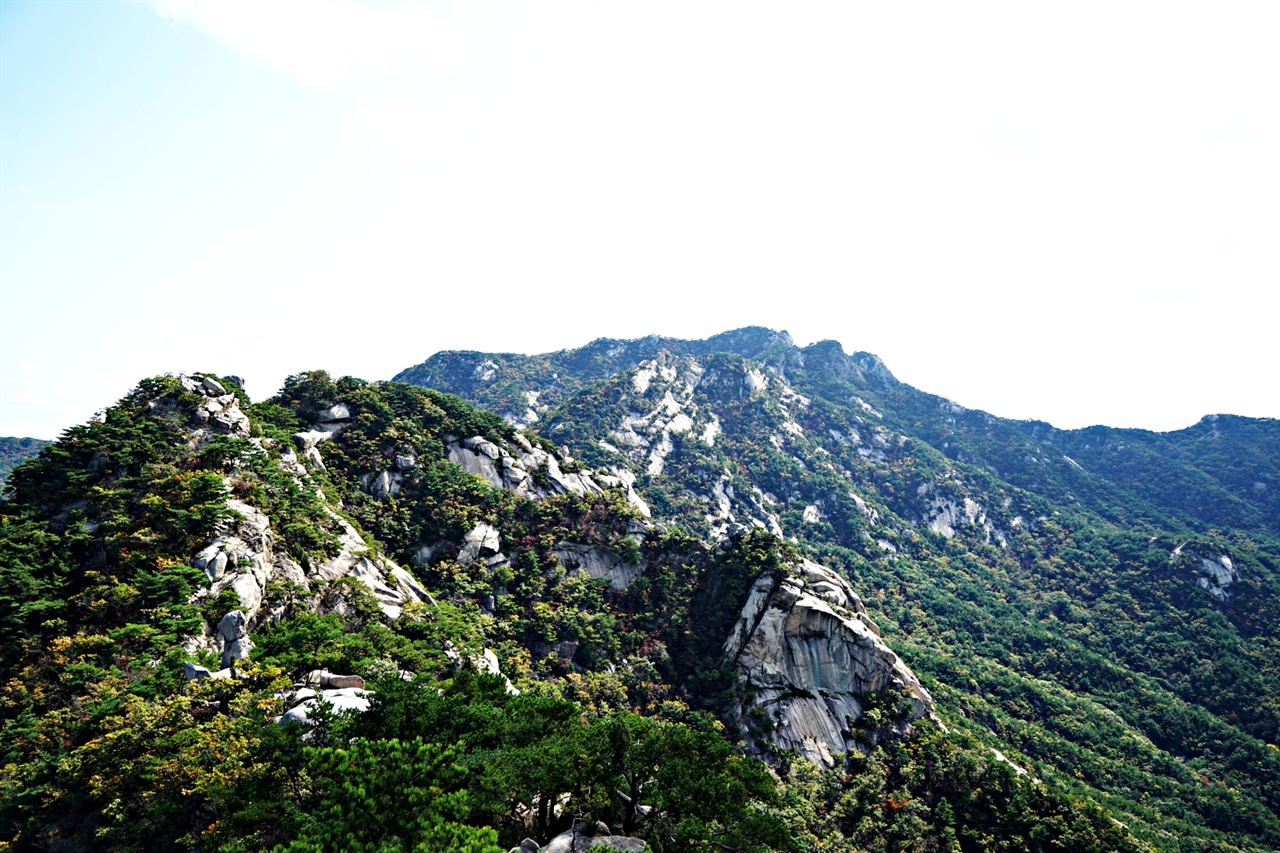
[(1068, 211)]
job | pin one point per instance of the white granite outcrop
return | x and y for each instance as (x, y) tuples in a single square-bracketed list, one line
[(808, 654)]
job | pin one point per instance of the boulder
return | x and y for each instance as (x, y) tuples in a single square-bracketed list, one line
[(248, 588), (213, 560), (213, 386), (308, 443), (336, 412), (235, 651), (482, 445), (482, 541), (347, 699), (195, 672), (224, 415), (233, 629), (232, 626), (382, 483), (584, 836), (475, 462), (1217, 574), (325, 680)]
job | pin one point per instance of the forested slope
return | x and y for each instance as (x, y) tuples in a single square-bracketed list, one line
[(1096, 604), (365, 616)]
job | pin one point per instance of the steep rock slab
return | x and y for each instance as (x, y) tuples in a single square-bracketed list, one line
[(598, 563), (809, 655)]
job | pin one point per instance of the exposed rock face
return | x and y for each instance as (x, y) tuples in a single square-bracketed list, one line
[(236, 644), (391, 585), (597, 562), (1217, 574), (309, 443), (943, 515), (661, 406), (583, 837), (243, 557), (670, 399), (342, 699), (482, 542), (322, 679), (531, 471), (809, 653), (219, 411)]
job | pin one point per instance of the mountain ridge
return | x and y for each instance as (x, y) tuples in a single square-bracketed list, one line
[(1135, 551), (1247, 496), (270, 625)]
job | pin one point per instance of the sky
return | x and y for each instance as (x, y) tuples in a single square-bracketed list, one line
[(1056, 210)]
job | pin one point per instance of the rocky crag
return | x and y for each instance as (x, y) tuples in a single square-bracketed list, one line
[(809, 656), (243, 556), (368, 610)]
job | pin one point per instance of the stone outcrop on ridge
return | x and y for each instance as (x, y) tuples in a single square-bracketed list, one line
[(530, 471), (243, 556)]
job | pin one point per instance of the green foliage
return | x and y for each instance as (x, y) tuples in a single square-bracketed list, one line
[(945, 793), (380, 796)]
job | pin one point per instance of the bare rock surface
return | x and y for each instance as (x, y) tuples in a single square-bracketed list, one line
[(533, 472), (597, 562), (583, 837), (345, 699), (243, 556), (809, 654), (1216, 574), (219, 411)]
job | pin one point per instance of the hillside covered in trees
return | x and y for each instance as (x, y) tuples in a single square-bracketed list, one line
[(1096, 604), (716, 595)]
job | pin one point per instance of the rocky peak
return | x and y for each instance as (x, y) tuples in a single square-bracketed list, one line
[(219, 411), (749, 341), (830, 357), (872, 366)]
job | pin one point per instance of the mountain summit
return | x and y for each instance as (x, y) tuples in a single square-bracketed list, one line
[(1221, 472)]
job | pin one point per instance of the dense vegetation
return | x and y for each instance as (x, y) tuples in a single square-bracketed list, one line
[(106, 746), (1057, 591)]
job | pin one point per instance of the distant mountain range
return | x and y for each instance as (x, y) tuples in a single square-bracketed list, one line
[(14, 450)]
